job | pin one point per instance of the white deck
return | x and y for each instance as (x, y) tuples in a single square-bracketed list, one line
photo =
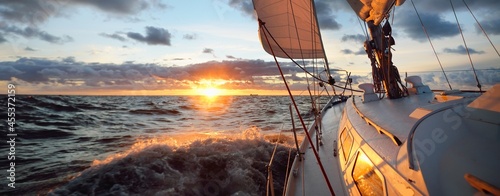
[(308, 169), (454, 140)]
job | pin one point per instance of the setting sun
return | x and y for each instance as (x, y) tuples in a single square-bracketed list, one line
[(210, 92)]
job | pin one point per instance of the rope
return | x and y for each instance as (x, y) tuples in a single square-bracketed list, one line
[(481, 27), (466, 48), (261, 23), (295, 62), (432, 46)]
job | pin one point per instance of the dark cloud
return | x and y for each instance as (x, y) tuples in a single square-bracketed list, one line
[(70, 60), (38, 11), (29, 49), (490, 26), (435, 24), (361, 51), (114, 36), (33, 32), (2, 39), (126, 76), (178, 59), (444, 6), (328, 23), (433, 14), (28, 12), (208, 51), (242, 5), (154, 36), (190, 36), (230, 57), (462, 50), (326, 18), (117, 6), (240, 74), (357, 38)]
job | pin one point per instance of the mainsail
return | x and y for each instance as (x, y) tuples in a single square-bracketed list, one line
[(293, 25), (373, 10)]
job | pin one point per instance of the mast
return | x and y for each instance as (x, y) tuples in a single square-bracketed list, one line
[(384, 71), (378, 48)]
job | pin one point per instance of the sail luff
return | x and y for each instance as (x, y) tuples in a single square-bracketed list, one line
[(291, 30), (321, 40)]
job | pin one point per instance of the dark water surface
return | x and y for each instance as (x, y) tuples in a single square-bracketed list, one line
[(122, 145)]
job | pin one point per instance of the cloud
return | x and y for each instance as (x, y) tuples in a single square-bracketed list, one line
[(117, 6), (245, 6), (34, 12), (29, 49), (71, 74), (179, 59), (2, 39), (154, 36), (208, 51), (328, 23), (490, 26), (231, 57), (361, 51), (357, 38), (28, 12), (433, 14), (33, 32), (114, 36), (435, 24), (462, 79), (462, 50), (326, 18), (190, 36)]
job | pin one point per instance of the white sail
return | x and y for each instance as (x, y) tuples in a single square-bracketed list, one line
[(293, 25), (373, 9)]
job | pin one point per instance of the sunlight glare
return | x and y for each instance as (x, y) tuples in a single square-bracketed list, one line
[(211, 92)]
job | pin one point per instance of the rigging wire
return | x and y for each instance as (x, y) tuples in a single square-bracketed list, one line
[(482, 29), (300, 66), (316, 155), (466, 48), (432, 46)]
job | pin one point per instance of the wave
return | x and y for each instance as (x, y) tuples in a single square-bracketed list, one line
[(44, 133), (155, 111), (56, 103), (212, 166)]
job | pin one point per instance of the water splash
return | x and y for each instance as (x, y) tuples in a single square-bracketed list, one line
[(182, 165)]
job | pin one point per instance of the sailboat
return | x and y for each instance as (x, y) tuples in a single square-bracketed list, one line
[(390, 138)]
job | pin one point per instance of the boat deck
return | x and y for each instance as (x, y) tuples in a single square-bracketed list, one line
[(308, 168)]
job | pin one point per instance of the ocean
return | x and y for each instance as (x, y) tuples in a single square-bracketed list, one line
[(148, 145)]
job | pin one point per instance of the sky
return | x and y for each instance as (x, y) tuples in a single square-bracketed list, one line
[(155, 47)]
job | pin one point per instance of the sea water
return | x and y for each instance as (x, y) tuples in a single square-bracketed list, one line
[(145, 145)]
